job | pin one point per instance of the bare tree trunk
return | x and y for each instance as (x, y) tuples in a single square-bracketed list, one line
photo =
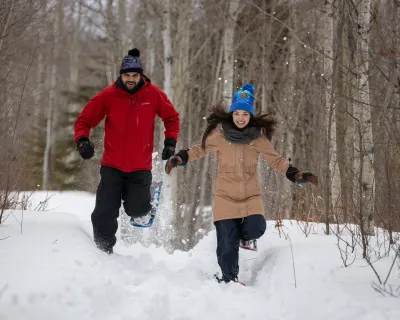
[(123, 39), (74, 56), (364, 142), (290, 112), (330, 190), (53, 94), (181, 99), (150, 39), (6, 23), (111, 65), (168, 197), (40, 77), (167, 40), (229, 38), (266, 32), (214, 95), (181, 65), (343, 125), (168, 57)]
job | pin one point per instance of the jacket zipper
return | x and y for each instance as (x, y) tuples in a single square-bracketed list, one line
[(126, 130), (127, 123), (242, 183)]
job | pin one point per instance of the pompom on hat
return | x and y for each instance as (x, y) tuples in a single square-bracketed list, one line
[(244, 99), (131, 62)]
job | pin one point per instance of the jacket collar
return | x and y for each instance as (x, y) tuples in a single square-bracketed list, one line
[(119, 87)]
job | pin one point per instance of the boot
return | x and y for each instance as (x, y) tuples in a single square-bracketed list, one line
[(248, 244)]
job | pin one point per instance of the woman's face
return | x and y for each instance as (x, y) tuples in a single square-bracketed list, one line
[(241, 118)]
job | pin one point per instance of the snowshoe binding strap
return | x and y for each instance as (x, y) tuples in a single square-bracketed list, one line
[(143, 222)]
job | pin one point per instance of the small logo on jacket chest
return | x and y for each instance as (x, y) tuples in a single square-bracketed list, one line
[(143, 103)]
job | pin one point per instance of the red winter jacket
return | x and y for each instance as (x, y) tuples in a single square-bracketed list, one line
[(129, 124)]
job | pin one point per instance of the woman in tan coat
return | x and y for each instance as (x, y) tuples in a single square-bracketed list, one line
[(238, 205)]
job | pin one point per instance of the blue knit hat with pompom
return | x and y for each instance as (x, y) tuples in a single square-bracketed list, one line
[(243, 99)]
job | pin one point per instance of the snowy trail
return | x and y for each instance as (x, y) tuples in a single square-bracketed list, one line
[(54, 271), (257, 264), (55, 266)]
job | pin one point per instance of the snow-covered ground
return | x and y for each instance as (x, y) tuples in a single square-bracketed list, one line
[(50, 269)]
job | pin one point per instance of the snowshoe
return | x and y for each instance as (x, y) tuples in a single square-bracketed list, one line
[(248, 245), (147, 220)]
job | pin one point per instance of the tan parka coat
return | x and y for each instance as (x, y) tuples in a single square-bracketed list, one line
[(237, 192)]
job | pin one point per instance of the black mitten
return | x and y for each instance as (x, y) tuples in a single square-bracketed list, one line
[(294, 175), (291, 173), (180, 159), (85, 148), (183, 154), (169, 148)]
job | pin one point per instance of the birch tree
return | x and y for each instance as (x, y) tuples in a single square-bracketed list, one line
[(150, 37), (168, 203), (328, 70), (229, 46), (167, 41), (363, 144)]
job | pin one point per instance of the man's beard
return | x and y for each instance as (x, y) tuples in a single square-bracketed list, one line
[(132, 83)]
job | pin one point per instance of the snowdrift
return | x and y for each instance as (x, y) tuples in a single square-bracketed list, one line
[(50, 269)]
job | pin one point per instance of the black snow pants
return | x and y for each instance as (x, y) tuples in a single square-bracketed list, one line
[(133, 188), (229, 234)]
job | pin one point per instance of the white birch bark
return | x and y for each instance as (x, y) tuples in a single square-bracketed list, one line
[(150, 39), (167, 202), (167, 40), (363, 160)]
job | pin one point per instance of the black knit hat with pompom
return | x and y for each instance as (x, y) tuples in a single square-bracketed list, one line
[(131, 62)]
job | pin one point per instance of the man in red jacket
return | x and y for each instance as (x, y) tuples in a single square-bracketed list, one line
[(129, 107)]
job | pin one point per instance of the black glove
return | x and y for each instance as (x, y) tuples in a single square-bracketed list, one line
[(85, 148), (180, 159), (184, 155), (294, 175), (291, 173), (169, 148)]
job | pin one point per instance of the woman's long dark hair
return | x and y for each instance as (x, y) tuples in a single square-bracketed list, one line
[(218, 115)]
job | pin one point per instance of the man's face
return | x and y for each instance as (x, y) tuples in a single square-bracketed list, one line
[(130, 79)]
